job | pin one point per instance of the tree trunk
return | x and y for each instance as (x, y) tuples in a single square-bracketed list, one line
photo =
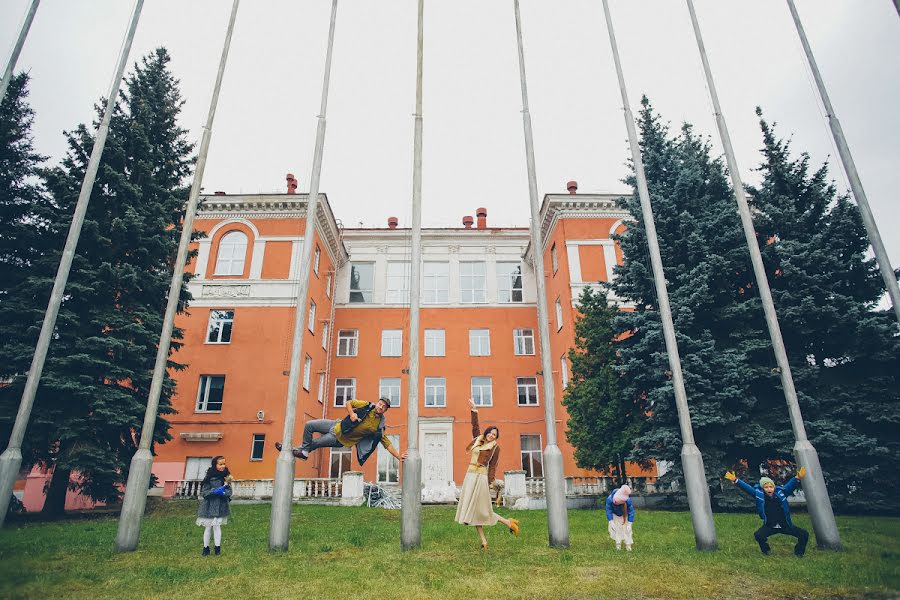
[(55, 502)]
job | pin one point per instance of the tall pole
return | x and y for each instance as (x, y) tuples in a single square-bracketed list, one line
[(411, 506), (17, 49), (691, 459), (814, 488), (11, 459), (881, 255), (554, 482), (132, 514), (282, 495)]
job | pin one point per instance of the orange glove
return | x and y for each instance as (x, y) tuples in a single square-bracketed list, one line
[(801, 473), (730, 476)]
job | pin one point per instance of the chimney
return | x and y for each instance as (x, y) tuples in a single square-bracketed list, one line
[(220, 193), (392, 222), (572, 186), (291, 183), (481, 213), (468, 221)]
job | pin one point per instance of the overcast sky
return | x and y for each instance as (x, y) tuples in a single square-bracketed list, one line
[(473, 140)]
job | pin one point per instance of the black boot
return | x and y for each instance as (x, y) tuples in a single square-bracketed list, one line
[(218, 550), (205, 551)]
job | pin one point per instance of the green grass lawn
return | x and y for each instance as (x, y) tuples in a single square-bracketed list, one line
[(337, 552)]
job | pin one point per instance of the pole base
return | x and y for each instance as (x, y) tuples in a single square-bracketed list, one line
[(817, 502), (10, 463), (698, 498), (282, 500), (555, 493), (411, 506), (132, 515)]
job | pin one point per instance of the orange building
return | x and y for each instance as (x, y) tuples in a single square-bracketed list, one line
[(479, 339)]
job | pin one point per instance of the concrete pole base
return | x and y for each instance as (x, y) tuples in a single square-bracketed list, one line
[(411, 506), (10, 463), (817, 502), (555, 493), (282, 500), (132, 514), (698, 498)]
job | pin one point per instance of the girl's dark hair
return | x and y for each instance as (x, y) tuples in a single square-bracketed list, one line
[(212, 471), (488, 430)]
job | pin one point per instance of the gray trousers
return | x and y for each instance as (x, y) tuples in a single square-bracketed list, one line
[(327, 439)]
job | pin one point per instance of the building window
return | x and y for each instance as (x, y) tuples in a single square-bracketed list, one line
[(316, 259), (328, 284), (532, 459), (389, 387), (434, 342), (344, 391), (397, 283), (388, 465), (340, 462), (392, 342), (559, 321), (210, 392), (195, 467), (232, 251), (311, 319), (472, 282), (523, 342), (321, 393), (564, 371), (348, 342), (479, 342), (325, 328), (307, 369), (220, 325), (509, 282), (526, 388), (362, 282), (435, 391), (436, 278), (554, 260), (257, 446), (481, 391)]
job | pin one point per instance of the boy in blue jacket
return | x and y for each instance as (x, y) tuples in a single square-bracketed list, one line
[(772, 506)]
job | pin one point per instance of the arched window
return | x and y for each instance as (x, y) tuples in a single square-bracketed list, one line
[(232, 250)]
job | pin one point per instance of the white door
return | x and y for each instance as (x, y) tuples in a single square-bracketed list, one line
[(435, 470), (195, 467)]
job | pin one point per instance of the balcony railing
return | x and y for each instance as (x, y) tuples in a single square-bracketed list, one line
[(261, 489)]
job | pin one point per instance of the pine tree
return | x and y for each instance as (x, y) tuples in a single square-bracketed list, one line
[(94, 389), (602, 425)]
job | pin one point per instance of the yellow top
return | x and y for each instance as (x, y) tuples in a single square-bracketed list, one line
[(477, 448), (365, 428)]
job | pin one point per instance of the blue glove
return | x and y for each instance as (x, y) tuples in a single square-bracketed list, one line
[(219, 491)]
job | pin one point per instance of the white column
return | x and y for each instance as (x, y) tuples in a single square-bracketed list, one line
[(203, 258), (256, 259), (296, 249), (574, 262)]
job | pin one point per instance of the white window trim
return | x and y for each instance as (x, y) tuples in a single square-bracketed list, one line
[(355, 346), (363, 291), (393, 464), (559, 314), (488, 341), (524, 345), (318, 257), (387, 335), (253, 443), (345, 450), (200, 389), (211, 312), (463, 290), (352, 389), (443, 342), (539, 451), (426, 278), (231, 260), (442, 385), (311, 318), (307, 371), (490, 386), (397, 295), (537, 396), (399, 387), (320, 394), (326, 326), (502, 282)]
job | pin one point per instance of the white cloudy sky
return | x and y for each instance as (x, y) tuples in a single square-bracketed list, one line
[(473, 141)]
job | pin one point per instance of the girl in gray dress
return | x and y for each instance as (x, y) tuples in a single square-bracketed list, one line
[(215, 494)]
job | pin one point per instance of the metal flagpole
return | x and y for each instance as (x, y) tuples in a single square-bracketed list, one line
[(554, 483), (282, 495), (132, 514), (814, 484), (691, 458), (881, 255), (411, 505), (17, 49), (11, 459)]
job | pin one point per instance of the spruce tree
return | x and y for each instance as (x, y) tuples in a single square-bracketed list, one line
[(93, 392), (603, 423)]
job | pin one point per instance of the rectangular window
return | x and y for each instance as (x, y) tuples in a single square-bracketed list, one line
[(209, 394), (559, 322), (325, 329), (397, 283), (564, 371), (195, 467), (321, 393), (509, 282), (388, 465), (257, 446), (523, 342), (435, 391), (348, 342), (389, 387), (220, 324), (526, 388), (472, 282), (344, 391), (532, 459), (362, 283), (311, 319), (434, 342), (436, 278), (328, 285), (340, 462), (318, 256), (481, 391), (392, 342), (479, 342), (307, 369), (553, 258)]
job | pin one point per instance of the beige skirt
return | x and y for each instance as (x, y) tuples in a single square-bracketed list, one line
[(620, 532), (475, 507)]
